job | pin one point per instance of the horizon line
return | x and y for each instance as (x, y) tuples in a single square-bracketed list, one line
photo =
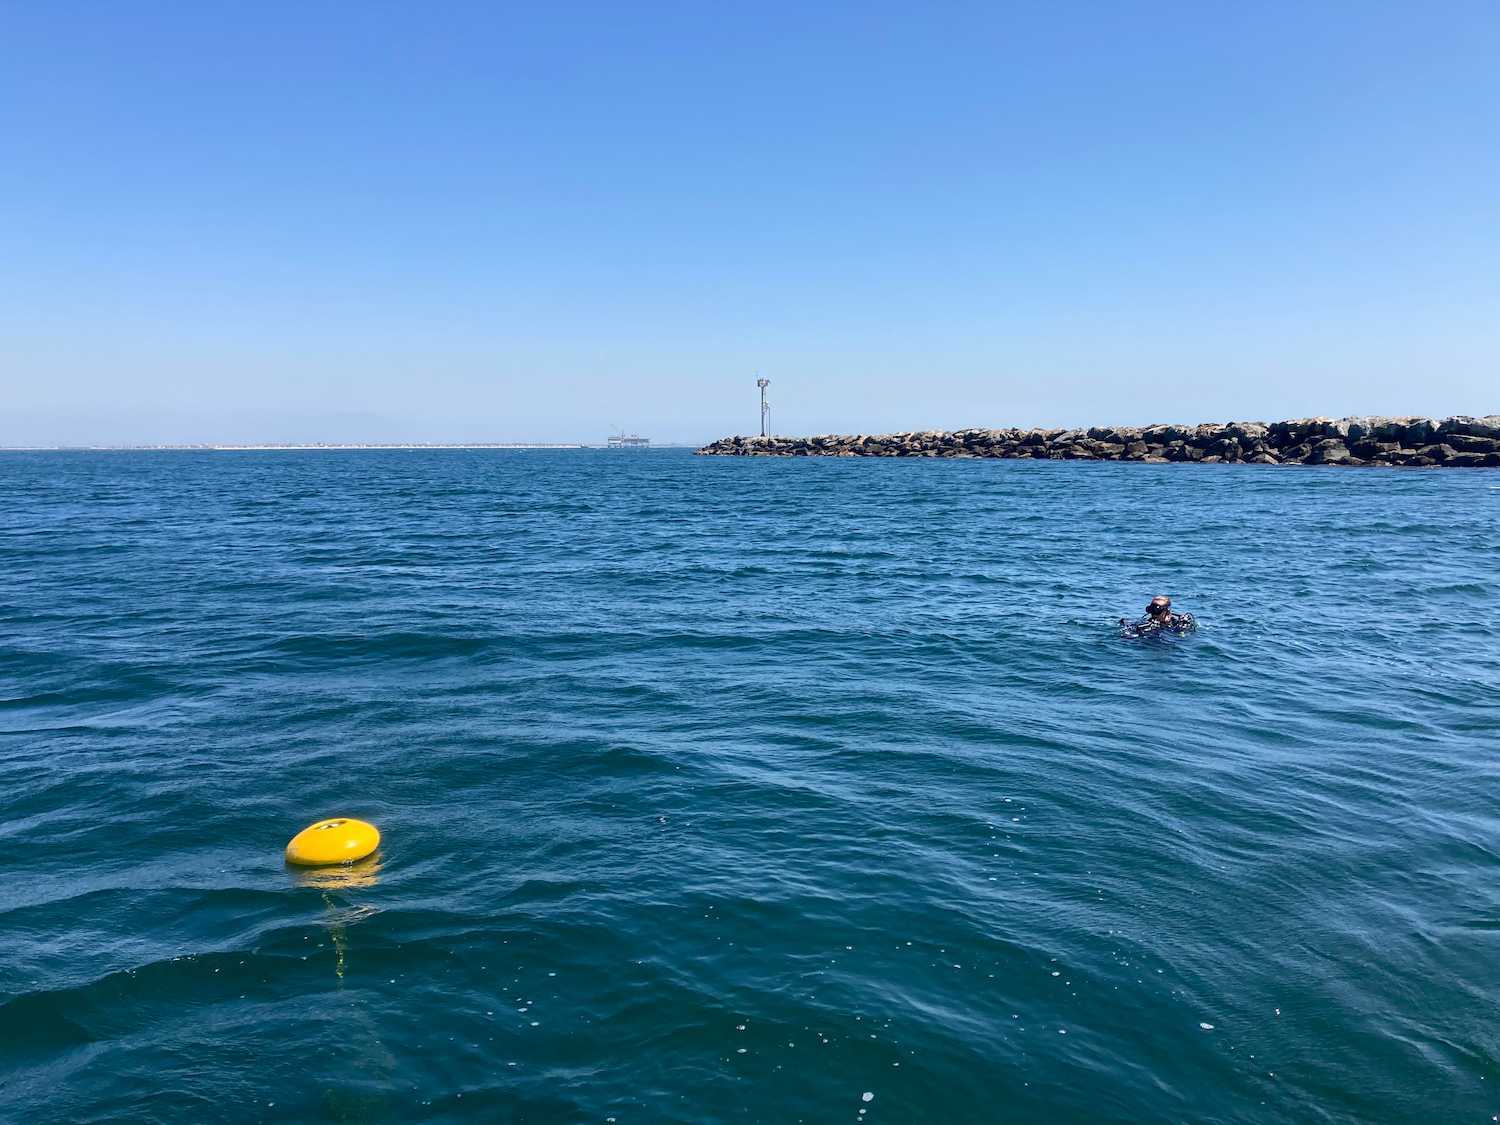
[(221, 446)]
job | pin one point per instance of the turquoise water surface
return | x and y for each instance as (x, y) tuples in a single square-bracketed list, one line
[(746, 790)]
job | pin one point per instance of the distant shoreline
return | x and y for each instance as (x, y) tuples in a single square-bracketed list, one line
[(300, 447), (1462, 441)]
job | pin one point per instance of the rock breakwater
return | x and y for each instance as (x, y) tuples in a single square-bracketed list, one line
[(1421, 442)]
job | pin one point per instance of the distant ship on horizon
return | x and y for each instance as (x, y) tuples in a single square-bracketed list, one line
[(627, 441)]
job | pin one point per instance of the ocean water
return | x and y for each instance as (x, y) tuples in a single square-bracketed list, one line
[(746, 790)]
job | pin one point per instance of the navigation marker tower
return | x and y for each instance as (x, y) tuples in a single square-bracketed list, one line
[(764, 407)]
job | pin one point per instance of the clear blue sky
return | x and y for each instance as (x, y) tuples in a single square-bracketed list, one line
[(319, 220)]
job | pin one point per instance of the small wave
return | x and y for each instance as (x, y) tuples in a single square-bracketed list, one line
[(703, 800)]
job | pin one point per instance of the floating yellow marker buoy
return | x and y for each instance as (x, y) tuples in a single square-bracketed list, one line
[(339, 840)]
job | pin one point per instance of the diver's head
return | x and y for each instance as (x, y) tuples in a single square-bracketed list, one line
[(1160, 606)]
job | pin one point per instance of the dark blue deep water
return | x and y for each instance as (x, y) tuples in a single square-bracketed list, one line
[(746, 790)]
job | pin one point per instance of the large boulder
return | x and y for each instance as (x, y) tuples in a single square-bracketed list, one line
[(1387, 429), (1248, 434), (1329, 451), (1486, 427), (1294, 431), (1472, 443), (1417, 432)]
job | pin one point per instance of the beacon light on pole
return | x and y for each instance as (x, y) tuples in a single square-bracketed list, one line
[(340, 839)]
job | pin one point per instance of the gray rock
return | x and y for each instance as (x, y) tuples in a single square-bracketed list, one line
[(1472, 443), (1294, 431), (1470, 460), (1416, 432), (1329, 451), (1486, 427)]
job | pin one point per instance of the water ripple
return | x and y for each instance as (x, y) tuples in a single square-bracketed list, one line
[(734, 789)]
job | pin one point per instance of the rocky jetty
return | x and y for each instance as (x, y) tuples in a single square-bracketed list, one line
[(1446, 442)]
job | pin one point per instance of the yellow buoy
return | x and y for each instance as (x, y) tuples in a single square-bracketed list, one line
[(339, 840)]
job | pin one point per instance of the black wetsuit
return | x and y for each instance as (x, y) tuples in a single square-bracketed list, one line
[(1149, 626)]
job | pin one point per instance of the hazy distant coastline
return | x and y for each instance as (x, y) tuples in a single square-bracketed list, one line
[(237, 447)]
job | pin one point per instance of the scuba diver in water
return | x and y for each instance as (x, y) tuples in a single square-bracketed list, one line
[(1159, 619)]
